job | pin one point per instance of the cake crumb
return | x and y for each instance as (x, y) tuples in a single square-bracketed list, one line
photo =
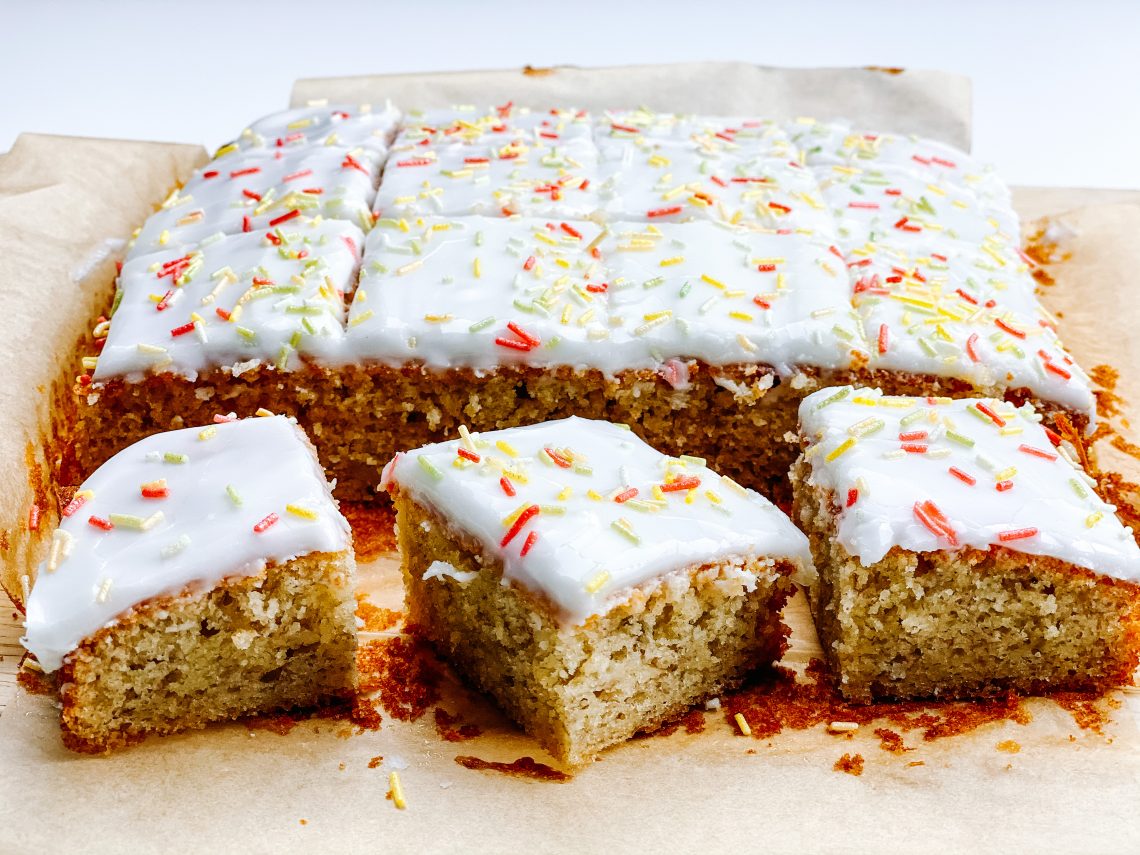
[(524, 767), (852, 764), (304, 821), (1009, 746), (375, 761)]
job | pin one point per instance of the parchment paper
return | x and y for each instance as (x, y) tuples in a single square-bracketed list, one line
[(229, 789)]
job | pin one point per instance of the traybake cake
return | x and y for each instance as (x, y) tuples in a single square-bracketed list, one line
[(593, 586), (197, 576), (527, 265), (961, 550)]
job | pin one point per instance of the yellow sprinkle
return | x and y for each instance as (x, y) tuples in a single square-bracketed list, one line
[(1093, 518), (742, 723), (669, 262), (409, 267), (466, 439), (509, 519), (740, 316), (207, 433), (477, 267), (302, 512), (1010, 430), (438, 319), (595, 584), (843, 448), (506, 448), (397, 790), (716, 283), (1006, 474), (565, 494), (595, 495), (361, 318)]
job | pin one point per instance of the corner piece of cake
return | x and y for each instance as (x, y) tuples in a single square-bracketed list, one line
[(961, 549), (197, 576), (593, 586)]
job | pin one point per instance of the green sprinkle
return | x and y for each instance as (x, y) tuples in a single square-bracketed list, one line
[(246, 333), (295, 339), (481, 325), (653, 283), (685, 289), (234, 495), (118, 300), (911, 417), (961, 439), (176, 457), (866, 427), (478, 238), (1079, 488), (430, 468), (283, 357), (831, 399), (623, 527)]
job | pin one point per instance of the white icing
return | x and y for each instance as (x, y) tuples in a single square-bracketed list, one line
[(202, 537), (669, 181), (577, 559), (290, 294), (95, 258), (344, 125), (653, 293), (1048, 494), (539, 179), (469, 124), (244, 190), (443, 570)]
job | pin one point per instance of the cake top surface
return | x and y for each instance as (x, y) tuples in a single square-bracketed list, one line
[(345, 125), (482, 292), (244, 190), (935, 474), (268, 296), (178, 510), (582, 511)]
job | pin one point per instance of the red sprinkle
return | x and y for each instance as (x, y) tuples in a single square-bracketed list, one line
[(523, 334), (766, 268), (1054, 437), (971, 347), (266, 523), (529, 263), (914, 447), (34, 517), (1017, 534), (220, 419), (962, 476), (686, 482), (557, 458), (935, 521), (513, 344), (155, 493), (1002, 325), (246, 225), (763, 304), (522, 520), (871, 206), (570, 230), (182, 330), (598, 289), (253, 170), (994, 417), (663, 212), (852, 496), (507, 486), (74, 505), (297, 175), (911, 436), (625, 495), (1037, 452), (531, 540), (284, 218), (884, 337), (99, 522), (1002, 486), (468, 455), (163, 304), (1058, 370)]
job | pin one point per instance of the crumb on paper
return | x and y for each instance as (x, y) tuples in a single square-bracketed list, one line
[(852, 764), (1009, 746)]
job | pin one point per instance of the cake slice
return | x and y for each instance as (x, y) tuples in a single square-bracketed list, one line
[(594, 587), (961, 551), (198, 576)]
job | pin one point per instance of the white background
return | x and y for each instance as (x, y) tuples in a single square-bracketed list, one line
[(1056, 85)]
